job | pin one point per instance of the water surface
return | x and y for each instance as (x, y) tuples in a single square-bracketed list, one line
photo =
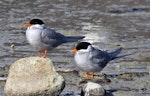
[(106, 24)]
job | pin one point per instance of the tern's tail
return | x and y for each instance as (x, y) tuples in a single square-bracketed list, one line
[(73, 38), (114, 54)]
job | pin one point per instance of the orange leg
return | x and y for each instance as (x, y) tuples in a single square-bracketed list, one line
[(87, 75), (44, 56), (39, 53)]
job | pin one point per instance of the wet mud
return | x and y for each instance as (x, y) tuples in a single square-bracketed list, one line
[(106, 24)]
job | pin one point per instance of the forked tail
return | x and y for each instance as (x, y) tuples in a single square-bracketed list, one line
[(114, 54), (73, 38)]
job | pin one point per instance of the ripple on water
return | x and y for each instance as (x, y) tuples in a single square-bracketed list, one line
[(106, 24)]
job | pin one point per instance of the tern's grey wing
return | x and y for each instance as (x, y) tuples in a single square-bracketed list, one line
[(49, 36), (99, 57)]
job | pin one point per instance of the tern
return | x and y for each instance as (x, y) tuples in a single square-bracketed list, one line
[(45, 39), (90, 59)]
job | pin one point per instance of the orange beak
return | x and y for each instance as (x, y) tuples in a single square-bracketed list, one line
[(27, 24), (74, 50)]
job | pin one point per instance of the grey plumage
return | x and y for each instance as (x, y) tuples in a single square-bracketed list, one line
[(102, 57), (54, 39), (44, 38), (72, 38), (91, 59), (113, 55)]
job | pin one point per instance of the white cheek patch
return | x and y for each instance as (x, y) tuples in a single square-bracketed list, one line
[(83, 50)]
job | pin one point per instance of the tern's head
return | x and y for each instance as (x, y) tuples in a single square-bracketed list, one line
[(81, 46), (34, 22)]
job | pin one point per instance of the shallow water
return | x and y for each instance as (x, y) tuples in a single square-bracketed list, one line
[(106, 24)]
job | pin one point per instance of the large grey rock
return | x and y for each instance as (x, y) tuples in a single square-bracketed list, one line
[(33, 76)]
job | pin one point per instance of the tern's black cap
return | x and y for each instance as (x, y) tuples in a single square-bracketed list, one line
[(36, 21), (82, 45)]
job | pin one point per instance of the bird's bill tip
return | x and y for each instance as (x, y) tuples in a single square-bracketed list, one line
[(27, 24), (74, 50)]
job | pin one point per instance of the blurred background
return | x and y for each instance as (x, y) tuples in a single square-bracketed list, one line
[(107, 24)]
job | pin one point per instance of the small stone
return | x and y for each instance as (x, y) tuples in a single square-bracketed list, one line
[(93, 89), (118, 66), (3, 78), (33, 76), (12, 46)]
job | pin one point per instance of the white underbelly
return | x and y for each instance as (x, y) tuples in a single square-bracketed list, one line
[(86, 65), (34, 40)]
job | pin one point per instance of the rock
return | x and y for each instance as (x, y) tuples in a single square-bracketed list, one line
[(33, 76), (93, 89)]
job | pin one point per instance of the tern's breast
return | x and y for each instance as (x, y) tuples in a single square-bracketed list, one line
[(81, 59), (84, 63), (33, 36), (34, 39)]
